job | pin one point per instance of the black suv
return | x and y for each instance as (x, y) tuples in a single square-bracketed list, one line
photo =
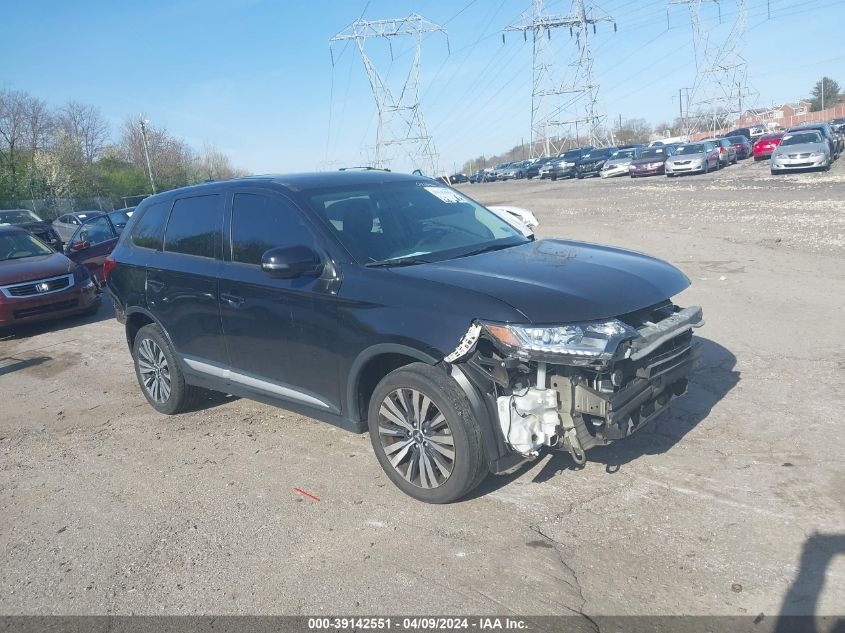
[(396, 305)]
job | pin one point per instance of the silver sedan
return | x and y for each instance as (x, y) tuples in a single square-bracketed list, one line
[(801, 150), (693, 158), (619, 163)]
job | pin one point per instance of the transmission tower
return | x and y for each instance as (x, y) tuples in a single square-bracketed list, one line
[(400, 119), (563, 113), (721, 91)]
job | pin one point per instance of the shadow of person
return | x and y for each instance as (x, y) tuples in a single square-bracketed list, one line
[(801, 599), (714, 378), (10, 364)]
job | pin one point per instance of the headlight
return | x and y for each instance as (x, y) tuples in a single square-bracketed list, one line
[(816, 155), (654, 165), (584, 342)]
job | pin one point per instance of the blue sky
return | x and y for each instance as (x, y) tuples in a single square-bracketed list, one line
[(256, 79)]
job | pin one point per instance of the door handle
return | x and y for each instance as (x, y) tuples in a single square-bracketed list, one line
[(233, 300)]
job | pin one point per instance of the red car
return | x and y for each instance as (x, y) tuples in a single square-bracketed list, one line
[(37, 283), (767, 144)]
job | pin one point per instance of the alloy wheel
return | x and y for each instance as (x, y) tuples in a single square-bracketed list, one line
[(416, 438), (154, 370)]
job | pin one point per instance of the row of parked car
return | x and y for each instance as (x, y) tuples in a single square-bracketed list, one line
[(49, 270), (809, 146)]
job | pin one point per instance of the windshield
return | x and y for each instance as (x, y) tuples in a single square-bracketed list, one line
[(572, 155), (19, 245), (771, 137), (801, 137), (18, 216), (410, 220), (118, 217), (696, 148), (737, 139), (624, 153), (598, 153), (654, 152)]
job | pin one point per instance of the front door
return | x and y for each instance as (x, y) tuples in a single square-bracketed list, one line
[(91, 244), (279, 332)]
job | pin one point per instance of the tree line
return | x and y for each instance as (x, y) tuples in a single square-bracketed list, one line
[(59, 155)]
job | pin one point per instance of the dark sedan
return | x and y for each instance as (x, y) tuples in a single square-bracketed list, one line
[(26, 219), (742, 146), (651, 161), (592, 162), (37, 283)]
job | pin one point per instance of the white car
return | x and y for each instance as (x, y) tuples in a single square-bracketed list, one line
[(806, 149)]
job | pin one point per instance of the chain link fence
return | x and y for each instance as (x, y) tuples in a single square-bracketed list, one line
[(51, 208)]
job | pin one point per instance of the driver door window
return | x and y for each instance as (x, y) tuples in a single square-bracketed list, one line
[(95, 231)]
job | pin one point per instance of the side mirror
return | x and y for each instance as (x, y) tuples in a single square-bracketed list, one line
[(75, 247), (287, 262)]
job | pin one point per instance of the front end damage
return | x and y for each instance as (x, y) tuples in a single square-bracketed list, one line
[(574, 387)]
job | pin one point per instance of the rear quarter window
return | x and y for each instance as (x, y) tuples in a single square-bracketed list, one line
[(148, 231)]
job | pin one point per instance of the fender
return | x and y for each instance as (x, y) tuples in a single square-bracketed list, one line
[(367, 355)]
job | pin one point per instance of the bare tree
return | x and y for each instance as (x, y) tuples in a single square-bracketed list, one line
[(84, 125), (12, 131), (172, 160), (212, 164)]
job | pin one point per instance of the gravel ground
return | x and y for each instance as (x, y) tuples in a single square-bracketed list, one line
[(732, 504)]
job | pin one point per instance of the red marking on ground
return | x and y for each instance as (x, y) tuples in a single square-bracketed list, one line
[(306, 494)]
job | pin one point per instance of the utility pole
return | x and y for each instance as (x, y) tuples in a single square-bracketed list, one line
[(721, 88), (562, 105), (143, 123), (400, 119)]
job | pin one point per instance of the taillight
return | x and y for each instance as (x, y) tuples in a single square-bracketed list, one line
[(108, 266)]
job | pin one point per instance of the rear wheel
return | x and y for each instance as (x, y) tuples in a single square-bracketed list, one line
[(159, 373), (425, 435)]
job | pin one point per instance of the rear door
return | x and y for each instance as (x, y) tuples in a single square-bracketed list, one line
[(280, 332), (181, 283), (91, 243)]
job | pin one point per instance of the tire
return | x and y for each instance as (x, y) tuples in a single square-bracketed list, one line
[(447, 416), (775, 172), (169, 398), (706, 167)]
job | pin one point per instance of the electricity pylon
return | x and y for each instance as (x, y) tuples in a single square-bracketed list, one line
[(721, 90), (400, 119), (563, 112)]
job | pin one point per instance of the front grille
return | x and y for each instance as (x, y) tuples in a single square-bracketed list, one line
[(799, 155), (45, 309), (682, 162), (38, 287)]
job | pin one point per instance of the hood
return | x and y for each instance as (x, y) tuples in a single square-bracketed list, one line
[(14, 271), (696, 156), (802, 148), (35, 227), (655, 159), (559, 281)]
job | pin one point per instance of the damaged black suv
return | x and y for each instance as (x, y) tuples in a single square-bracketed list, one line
[(396, 305)]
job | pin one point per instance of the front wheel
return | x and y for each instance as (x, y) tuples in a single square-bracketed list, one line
[(425, 435)]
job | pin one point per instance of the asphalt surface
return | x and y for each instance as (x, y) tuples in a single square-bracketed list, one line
[(732, 504)]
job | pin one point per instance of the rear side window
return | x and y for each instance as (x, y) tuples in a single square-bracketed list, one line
[(195, 226), (149, 230), (261, 222)]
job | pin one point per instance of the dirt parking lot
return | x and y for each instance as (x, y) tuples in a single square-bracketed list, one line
[(733, 504)]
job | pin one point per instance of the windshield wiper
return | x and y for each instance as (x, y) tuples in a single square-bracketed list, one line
[(486, 249), (401, 261)]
